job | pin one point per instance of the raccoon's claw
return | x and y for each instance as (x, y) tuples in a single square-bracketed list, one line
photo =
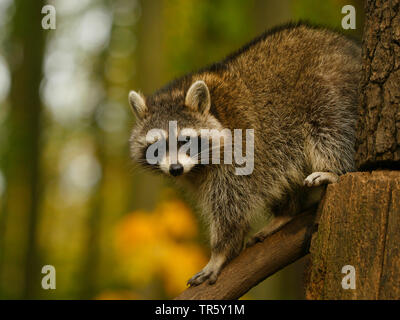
[(276, 224), (202, 276), (316, 179), (255, 239)]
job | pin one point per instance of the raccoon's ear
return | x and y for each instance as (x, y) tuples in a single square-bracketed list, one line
[(137, 103), (198, 97)]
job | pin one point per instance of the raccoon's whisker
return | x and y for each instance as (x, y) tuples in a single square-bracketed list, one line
[(145, 166), (210, 149)]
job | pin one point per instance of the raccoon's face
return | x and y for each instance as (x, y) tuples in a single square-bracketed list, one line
[(167, 135)]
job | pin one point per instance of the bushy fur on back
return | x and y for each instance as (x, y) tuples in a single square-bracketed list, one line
[(297, 87)]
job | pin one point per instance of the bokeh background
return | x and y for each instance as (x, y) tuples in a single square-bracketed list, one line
[(69, 196)]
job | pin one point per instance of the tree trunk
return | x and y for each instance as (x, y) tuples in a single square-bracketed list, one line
[(378, 135), (359, 218), (20, 265)]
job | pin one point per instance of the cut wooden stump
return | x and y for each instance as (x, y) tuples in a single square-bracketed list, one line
[(359, 225)]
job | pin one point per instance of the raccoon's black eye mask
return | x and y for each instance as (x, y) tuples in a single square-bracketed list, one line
[(157, 152), (202, 147)]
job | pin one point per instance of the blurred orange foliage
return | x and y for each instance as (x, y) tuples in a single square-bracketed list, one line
[(159, 245), (118, 295)]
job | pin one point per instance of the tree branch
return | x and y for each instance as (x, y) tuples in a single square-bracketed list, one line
[(258, 262)]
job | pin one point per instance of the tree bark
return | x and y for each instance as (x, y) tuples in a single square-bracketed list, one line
[(378, 132), (258, 262)]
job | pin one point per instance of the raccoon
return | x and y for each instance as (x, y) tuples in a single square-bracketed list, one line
[(296, 86)]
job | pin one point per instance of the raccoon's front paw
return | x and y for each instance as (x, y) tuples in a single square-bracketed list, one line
[(316, 179), (203, 275)]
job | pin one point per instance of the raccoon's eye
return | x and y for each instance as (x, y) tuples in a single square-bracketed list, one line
[(182, 141), (154, 152)]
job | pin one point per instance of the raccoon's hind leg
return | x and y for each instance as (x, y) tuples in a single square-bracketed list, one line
[(283, 211), (316, 179), (272, 227)]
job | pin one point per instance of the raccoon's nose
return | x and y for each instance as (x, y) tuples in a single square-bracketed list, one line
[(176, 169)]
